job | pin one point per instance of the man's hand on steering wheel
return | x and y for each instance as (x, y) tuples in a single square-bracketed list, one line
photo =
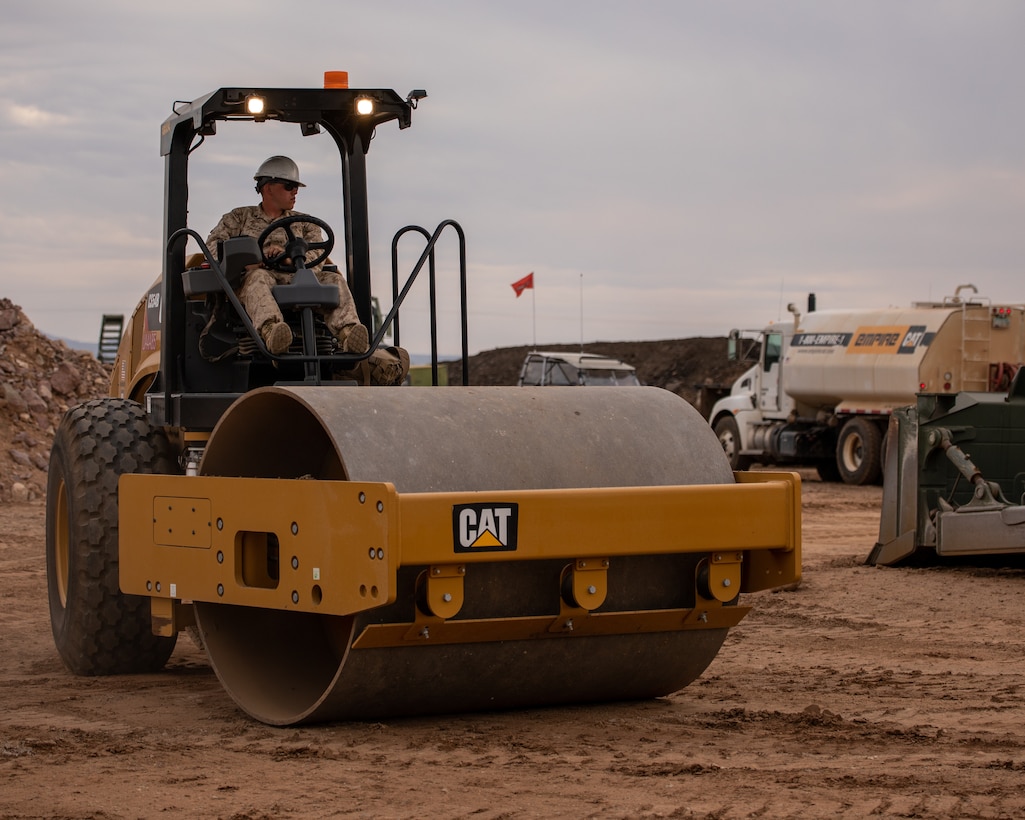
[(295, 245)]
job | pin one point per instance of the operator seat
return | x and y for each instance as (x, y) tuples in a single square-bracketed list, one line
[(227, 353)]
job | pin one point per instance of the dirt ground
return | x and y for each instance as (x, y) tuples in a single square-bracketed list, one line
[(864, 692)]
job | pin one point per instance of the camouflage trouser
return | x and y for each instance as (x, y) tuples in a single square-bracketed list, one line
[(257, 299)]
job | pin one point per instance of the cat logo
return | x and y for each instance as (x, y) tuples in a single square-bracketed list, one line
[(485, 527), (915, 337)]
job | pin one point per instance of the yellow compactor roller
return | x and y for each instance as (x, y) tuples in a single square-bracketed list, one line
[(352, 552)]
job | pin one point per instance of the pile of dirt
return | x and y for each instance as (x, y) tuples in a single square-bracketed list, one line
[(40, 378), (681, 366)]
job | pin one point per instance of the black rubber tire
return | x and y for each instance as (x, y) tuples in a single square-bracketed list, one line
[(728, 433), (828, 471), (858, 451), (97, 629)]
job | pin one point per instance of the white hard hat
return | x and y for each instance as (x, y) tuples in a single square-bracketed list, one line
[(279, 168)]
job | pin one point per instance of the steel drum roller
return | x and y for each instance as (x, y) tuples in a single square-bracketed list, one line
[(288, 667)]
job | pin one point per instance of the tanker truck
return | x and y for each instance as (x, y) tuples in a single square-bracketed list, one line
[(823, 385)]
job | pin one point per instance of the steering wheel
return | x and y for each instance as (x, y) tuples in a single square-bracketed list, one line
[(277, 262)]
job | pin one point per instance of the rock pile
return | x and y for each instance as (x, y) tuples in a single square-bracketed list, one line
[(40, 378)]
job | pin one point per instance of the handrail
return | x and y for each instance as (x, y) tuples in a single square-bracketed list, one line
[(398, 297)]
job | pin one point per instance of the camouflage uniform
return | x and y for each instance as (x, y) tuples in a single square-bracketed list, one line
[(255, 295)]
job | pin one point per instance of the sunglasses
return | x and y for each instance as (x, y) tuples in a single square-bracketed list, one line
[(288, 186)]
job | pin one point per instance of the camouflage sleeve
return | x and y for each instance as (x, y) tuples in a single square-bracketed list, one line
[(231, 224), (246, 221)]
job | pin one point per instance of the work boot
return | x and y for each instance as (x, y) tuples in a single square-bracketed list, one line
[(277, 336), (355, 339)]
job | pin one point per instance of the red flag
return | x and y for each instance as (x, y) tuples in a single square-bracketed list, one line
[(524, 283)]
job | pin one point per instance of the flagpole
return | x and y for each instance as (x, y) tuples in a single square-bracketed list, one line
[(581, 312), (527, 283), (533, 312)]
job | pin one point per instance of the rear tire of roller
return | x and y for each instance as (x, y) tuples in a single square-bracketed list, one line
[(97, 629)]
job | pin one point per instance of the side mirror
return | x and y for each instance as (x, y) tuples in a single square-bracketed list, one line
[(731, 345)]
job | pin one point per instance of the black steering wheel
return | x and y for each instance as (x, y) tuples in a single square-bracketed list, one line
[(277, 262)]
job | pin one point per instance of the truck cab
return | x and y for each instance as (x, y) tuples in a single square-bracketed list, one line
[(749, 421)]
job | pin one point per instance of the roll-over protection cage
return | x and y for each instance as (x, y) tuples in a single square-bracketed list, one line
[(333, 110)]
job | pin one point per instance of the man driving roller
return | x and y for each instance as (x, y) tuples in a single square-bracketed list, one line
[(277, 183)]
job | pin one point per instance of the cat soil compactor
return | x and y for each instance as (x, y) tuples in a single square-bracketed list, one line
[(351, 551)]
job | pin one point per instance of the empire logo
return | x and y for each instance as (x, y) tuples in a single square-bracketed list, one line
[(485, 527)]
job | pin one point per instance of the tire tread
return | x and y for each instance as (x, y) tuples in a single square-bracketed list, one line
[(99, 630)]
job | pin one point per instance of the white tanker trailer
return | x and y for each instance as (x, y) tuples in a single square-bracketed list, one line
[(824, 384)]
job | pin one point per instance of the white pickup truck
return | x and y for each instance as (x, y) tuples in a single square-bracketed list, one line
[(542, 369)]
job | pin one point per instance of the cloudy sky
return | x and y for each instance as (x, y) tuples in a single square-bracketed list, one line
[(666, 169)]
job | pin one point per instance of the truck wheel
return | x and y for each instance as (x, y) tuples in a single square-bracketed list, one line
[(729, 437), (97, 629), (857, 452)]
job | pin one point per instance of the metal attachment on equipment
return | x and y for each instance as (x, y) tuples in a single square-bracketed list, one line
[(583, 586), (442, 590), (585, 583), (719, 576), (170, 615)]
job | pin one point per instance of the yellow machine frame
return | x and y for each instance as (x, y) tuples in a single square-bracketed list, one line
[(335, 548)]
